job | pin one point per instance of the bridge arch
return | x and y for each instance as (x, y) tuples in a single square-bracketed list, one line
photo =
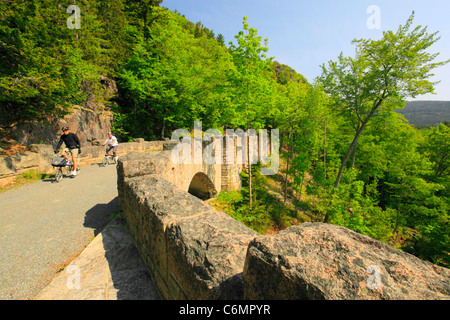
[(202, 187)]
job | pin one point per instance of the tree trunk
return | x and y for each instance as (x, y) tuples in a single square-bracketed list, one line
[(249, 173), (397, 219), (248, 154), (354, 156), (325, 149), (249, 163), (287, 164), (163, 128), (347, 155), (359, 130), (353, 161)]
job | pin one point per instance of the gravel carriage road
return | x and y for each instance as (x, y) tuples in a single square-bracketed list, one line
[(44, 225)]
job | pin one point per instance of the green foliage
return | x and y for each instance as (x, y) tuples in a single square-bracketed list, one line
[(45, 66), (30, 81), (436, 145), (349, 159), (172, 79), (380, 77), (355, 209), (286, 74), (267, 214), (251, 85)]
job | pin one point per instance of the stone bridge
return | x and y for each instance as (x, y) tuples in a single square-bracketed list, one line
[(205, 167), (194, 251)]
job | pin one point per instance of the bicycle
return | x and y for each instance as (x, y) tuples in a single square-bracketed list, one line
[(64, 168), (108, 159)]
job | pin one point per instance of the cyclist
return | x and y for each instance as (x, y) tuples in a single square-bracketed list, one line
[(112, 145), (72, 144)]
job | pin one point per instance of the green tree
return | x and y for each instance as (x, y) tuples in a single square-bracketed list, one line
[(383, 73), (116, 35), (436, 145), (172, 79), (43, 67), (399, 184), (220, 39), (253, 87), (141, 12), (302, 120)]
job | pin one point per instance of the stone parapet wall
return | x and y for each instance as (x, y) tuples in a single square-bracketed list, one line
[(192, 251), (326, 262), (196, 252)]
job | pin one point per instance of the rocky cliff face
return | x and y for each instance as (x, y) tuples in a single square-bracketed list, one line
[(91, 121), (88, 124)]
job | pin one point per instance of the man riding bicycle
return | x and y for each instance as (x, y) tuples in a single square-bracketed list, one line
[(72, 146), (112, 145)]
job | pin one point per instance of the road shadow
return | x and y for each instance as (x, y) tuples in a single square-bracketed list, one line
[(99, 215), (52, 179), (130, 276)]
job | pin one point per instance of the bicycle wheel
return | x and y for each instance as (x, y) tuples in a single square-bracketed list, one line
[(58, 175), (105, 161)]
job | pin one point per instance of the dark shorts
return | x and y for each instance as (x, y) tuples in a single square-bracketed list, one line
[(113, 148)]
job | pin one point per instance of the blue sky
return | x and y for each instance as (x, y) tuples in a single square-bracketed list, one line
[(304, 34)]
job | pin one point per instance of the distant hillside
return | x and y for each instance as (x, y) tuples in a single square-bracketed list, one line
[(285, 73), (426, 113)]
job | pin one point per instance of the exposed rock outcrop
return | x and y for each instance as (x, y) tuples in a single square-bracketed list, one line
[(323, 261), (91, 120), (88, 124)]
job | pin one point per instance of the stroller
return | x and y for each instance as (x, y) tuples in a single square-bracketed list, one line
[(64, 167)]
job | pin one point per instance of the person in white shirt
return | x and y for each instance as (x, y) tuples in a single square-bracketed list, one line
[(112, 145)]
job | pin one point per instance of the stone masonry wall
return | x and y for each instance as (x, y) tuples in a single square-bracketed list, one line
[(196, 252), (192, 251), (328, 262)]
